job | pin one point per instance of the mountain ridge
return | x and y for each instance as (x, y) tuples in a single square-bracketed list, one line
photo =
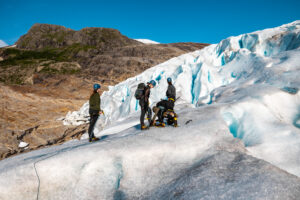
[(54, 36)]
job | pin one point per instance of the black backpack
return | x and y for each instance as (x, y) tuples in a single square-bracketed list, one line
[(139, 93)]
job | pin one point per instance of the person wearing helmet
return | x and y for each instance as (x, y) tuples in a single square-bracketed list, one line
[(171, 91), (144, 102), (166, 107), (94, 111)]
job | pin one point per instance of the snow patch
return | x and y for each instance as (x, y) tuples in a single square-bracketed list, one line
[(3, 44), (23, 144), (147, 41)]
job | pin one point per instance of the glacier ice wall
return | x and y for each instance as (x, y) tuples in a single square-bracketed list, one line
[(255, 77), (197, 74)]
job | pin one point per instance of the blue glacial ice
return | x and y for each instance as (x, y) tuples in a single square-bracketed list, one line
[(256, 65)]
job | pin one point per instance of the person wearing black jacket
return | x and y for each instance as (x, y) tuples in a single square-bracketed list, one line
[(164, 105), (144, 102), (94, 111), (171, 91)]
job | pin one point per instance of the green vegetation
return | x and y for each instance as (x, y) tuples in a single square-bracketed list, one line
[(58, 36), (54, 55), (14, 78), (75, 48), (63, 70), (19, 64), (27, 57)]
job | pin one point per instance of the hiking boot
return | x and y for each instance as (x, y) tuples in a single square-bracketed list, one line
[(144, 127), (161, 124), (152, 123), (93, 139)]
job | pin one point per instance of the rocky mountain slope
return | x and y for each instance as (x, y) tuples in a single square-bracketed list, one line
[(51, 71), (106, 53)]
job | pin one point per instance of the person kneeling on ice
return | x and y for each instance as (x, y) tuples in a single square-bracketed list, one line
[(94, 111), (142, 94), (164, 109)]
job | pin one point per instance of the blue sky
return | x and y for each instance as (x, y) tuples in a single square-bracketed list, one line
[(164, 21)]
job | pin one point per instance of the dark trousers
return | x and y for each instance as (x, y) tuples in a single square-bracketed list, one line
[(144, 108), (158, 112), (93, 119), (160, 115)]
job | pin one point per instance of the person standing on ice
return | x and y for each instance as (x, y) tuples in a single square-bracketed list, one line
[(94, 111), (171, 91), (144, 102)]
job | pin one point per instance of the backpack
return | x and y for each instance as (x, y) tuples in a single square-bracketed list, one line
[(139, 93)]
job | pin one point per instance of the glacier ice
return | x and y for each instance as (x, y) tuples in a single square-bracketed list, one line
[(242, 72), (199, 160), (253, 75), (197, 74), (228, 175)]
